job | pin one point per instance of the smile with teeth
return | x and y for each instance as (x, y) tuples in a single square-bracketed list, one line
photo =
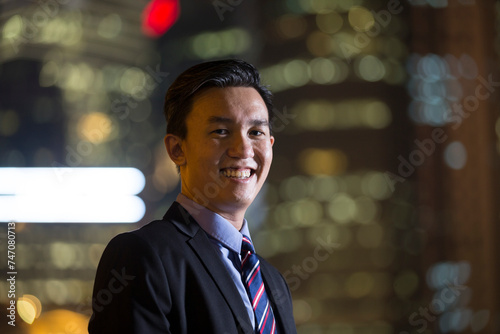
[(237, 173)]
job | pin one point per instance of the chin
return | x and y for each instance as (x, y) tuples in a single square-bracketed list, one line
[(240, 200)]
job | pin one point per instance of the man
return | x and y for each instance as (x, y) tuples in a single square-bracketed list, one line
[(195, 270)]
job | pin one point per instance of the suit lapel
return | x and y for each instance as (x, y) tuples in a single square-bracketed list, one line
[(202, 246)]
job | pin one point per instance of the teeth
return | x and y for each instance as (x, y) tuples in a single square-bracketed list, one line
[(236, 173)]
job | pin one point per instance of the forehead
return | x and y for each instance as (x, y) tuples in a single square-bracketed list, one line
[(237, 103)]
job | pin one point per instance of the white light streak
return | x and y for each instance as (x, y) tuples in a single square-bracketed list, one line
[(71, 195), (28, 181)]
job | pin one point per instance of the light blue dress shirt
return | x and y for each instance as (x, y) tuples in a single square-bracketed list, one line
[(226, 240)]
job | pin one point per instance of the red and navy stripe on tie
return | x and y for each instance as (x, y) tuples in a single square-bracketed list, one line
[(252, 279)]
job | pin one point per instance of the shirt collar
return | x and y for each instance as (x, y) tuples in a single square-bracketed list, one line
[(215, 225)]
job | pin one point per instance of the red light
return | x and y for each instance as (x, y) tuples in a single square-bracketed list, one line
[(159, 16)]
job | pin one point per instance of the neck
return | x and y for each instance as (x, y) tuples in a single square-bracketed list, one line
[(231, 213), (235, 219)]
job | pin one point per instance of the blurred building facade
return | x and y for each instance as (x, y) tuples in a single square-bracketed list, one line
[(380, 206)]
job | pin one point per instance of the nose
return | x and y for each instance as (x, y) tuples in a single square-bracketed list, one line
[(240, 147)]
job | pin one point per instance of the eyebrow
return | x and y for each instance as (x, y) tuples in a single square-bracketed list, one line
[(253, 122)]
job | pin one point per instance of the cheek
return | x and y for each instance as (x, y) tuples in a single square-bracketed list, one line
[(265, 152), (208, 157)]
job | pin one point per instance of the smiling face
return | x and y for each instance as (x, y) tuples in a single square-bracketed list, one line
[(226, 155)]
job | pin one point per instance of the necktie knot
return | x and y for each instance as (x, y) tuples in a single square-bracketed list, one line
[(246, 246)]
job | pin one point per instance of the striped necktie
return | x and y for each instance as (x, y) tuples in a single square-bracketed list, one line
[(252, 279)]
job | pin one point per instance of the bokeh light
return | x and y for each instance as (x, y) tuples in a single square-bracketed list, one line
[(223, 43), (360, 18), (29, 308), (323, 162), (455, 155), (59, 321), (110, 26), (370, 68), (436, 89), (95, 127), (159, 16), (330, 22), (323, 115)]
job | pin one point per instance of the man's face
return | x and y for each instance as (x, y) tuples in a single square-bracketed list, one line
[(228, 148)]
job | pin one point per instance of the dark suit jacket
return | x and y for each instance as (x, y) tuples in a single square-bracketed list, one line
[(167, 277)]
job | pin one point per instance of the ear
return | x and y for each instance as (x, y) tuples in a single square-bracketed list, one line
[(173, 144), (272, 140)]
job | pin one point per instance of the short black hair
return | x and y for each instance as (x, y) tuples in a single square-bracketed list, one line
[(220, 74)]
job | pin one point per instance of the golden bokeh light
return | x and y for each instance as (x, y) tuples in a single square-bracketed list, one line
[(26, 310), (29, 308), (95, 127), (315, 161), (60, 321)]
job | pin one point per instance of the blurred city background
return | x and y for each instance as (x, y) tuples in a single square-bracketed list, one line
[(382, 205)]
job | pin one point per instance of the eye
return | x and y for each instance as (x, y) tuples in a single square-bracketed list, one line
[(221, 131), (257, 133)]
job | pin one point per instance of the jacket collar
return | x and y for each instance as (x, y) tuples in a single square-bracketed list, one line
[(202, 246)]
